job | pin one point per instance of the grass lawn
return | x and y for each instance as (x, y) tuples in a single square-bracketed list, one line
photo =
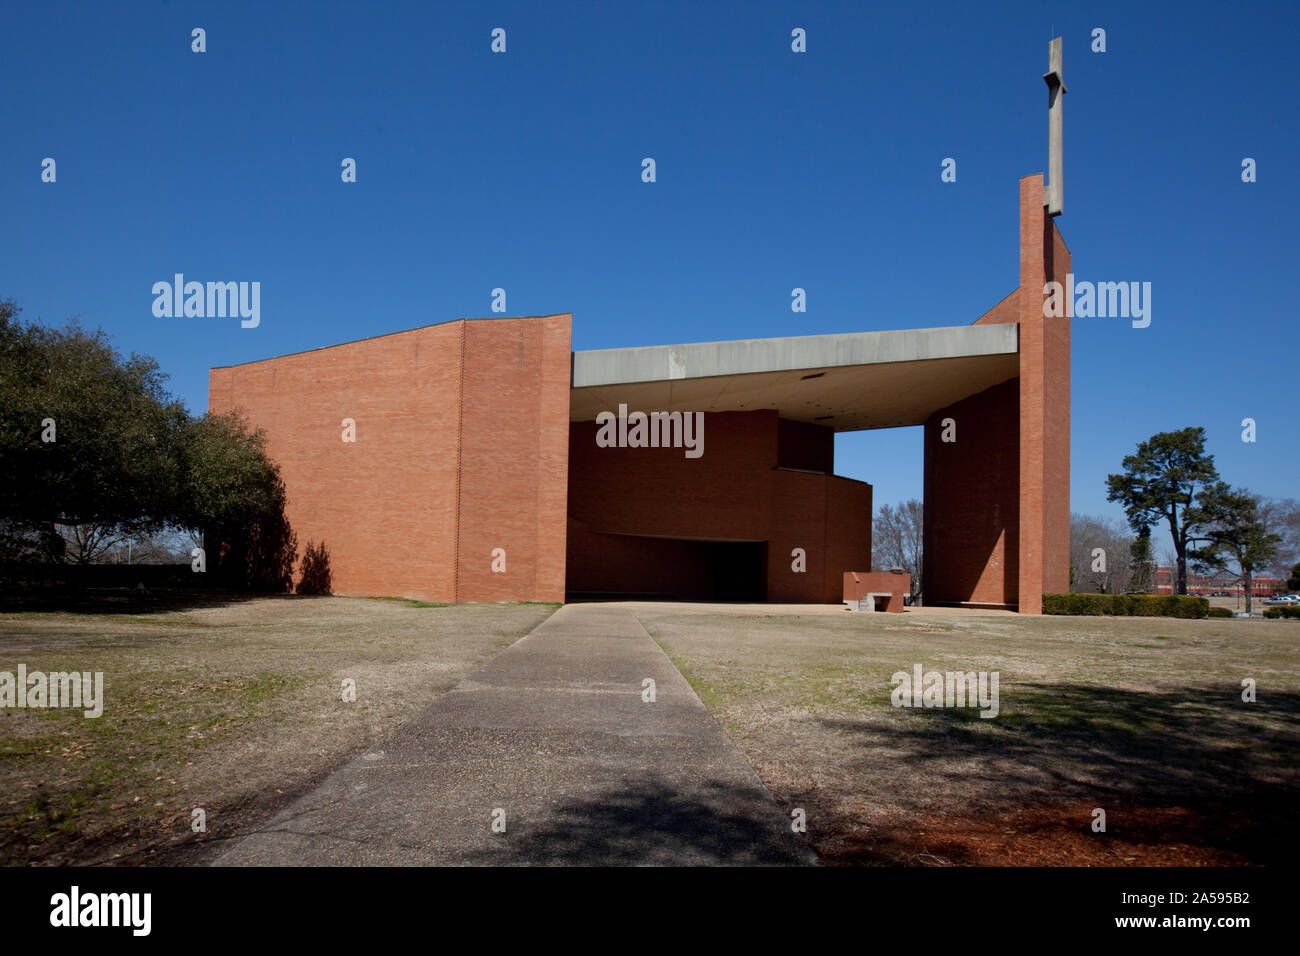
[(232, 707), (1140, 717)]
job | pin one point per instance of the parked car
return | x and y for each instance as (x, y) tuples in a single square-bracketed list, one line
[(1283, 599)]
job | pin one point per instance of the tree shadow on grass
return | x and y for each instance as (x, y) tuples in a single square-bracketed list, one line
[(1231, 763)]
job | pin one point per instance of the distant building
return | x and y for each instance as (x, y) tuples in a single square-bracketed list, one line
[(1208, 584)]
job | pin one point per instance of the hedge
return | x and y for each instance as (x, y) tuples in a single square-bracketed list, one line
[(107, 575), (1273, 613), (1220, 612), (1127, 605)]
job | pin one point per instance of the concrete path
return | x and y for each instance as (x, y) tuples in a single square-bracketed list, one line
[(553, 732)]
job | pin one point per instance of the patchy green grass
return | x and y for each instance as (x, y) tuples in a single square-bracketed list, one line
[(231, 708)]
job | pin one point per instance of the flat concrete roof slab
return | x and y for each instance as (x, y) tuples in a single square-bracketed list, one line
[(846, 382)]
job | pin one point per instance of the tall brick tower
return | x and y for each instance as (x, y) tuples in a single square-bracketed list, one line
[(1004, 539)]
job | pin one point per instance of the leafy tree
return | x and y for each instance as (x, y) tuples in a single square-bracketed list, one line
[(88, 440), (1162, 482), (897, 542), (1238, 542), (234, 503), (96, 453), (1142, 569), (21, 543), (226, 473)]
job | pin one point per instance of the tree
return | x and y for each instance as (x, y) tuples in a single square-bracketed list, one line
[(234, 503), (88, 440), (1281, 516), (170, 546), (1107, 573), (1238, 543), (1142, 569), (1293, 582), (95, 453), (21, 543), (1161, 483), (88, 542), (897, 542)]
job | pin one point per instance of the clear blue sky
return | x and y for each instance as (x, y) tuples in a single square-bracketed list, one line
[(775, 170)]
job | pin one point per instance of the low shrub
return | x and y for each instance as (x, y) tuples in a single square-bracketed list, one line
[(1128, 605), (1220, 612)]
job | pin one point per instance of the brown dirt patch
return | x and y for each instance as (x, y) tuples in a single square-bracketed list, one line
[(1053, 835)]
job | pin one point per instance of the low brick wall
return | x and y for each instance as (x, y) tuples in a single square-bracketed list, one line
[(858, 584)]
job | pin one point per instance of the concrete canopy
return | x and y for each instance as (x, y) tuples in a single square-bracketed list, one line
[(845, 382)]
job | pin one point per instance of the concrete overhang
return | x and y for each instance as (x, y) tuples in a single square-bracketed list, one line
[(848, 382)]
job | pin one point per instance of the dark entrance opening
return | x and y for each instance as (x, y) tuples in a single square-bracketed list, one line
[(739, 570), (676, 569)]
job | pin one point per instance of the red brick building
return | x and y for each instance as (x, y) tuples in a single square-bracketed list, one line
[(477, 469), (1261, 585), (461, 447)]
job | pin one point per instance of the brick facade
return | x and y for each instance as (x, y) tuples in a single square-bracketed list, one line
[(464, 446), (997, 501), (651, 521), (461, 447)]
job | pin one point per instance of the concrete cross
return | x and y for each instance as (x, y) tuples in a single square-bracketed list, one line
[(1054, 191)]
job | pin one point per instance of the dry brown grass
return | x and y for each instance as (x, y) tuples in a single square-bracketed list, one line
[(1142, 717), (234, 708)]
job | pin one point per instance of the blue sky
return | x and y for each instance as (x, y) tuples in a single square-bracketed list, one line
[(775, 170)]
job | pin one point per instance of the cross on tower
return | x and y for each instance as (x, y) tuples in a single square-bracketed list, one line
[(1054, 191)]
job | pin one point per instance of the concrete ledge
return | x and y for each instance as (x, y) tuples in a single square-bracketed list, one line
[(753, 356)]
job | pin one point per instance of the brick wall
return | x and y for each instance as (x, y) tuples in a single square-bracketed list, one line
[(625, 502), (997, 502), (514, 459), (439, 474), (806, 446), (972, 501), (1044, 407)]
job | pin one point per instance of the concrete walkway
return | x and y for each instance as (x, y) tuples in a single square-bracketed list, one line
[(553, 732)]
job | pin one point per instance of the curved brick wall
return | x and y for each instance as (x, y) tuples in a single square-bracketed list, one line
[(641, 519)]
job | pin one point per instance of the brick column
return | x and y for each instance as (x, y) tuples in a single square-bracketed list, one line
[(1044, 564)]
